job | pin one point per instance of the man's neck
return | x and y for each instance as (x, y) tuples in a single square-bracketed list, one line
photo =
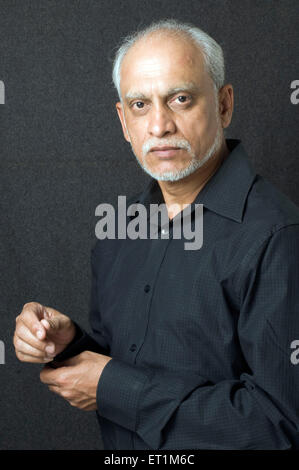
[(185, 190)]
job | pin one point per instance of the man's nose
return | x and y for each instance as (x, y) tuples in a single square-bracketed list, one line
[(161, 122)]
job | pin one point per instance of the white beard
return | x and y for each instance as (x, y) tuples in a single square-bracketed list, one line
[(193, 165)]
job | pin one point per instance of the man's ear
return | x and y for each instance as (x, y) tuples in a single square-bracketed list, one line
[(120, 112), (226, 104)]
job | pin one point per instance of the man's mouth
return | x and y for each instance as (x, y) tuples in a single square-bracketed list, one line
[(165, 152)]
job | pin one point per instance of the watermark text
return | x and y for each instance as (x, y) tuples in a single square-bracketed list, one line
[(295, 94), (2, 352), (151, 222), (2, 92)]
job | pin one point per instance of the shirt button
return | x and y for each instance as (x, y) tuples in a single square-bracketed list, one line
[(133, 347), (147, 288)]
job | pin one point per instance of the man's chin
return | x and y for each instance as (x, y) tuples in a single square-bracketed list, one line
[(169, 175)]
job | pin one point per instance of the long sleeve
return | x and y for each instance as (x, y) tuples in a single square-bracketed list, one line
[(258, 410)]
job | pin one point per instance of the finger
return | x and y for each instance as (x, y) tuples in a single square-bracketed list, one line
[(27, 358), (25, 348), (66, 394), (34, 307), (55, 389), (51, 376), (30, 316), (23, 332), (51, 320), (50, 324)]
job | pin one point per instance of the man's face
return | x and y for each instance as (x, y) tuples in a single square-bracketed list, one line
[(169, 111)]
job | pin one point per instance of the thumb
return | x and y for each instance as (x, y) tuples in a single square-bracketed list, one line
[(50, 321)]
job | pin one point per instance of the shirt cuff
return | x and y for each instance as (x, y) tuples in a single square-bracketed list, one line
[(118, 392), (79, 343)]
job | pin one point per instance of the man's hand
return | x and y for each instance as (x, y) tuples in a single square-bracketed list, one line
[(41, 333), (77, 379)]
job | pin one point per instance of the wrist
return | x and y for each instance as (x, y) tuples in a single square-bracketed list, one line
[(74, 333)]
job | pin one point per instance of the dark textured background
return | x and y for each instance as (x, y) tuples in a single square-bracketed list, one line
[(62, 154)]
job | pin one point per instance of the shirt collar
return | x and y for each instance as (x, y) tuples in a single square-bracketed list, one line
[(226, 191)]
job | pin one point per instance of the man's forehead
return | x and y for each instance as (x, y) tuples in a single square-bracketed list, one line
[(161, 67)]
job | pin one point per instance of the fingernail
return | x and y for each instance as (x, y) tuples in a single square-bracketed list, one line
[(39, 334), (48, 359), (50, 348)]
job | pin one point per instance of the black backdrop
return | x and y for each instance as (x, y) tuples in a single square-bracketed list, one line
[(62, 154)]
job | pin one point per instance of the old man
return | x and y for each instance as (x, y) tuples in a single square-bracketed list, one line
[(189, 349)]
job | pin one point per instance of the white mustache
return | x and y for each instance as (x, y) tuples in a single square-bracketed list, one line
[(151, 143)]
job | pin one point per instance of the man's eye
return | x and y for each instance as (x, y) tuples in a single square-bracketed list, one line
[(182, 98), (139, 104)]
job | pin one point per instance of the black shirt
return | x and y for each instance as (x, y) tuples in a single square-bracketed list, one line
[(201, 339)]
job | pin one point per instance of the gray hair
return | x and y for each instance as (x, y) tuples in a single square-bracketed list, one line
[(212, 51)]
